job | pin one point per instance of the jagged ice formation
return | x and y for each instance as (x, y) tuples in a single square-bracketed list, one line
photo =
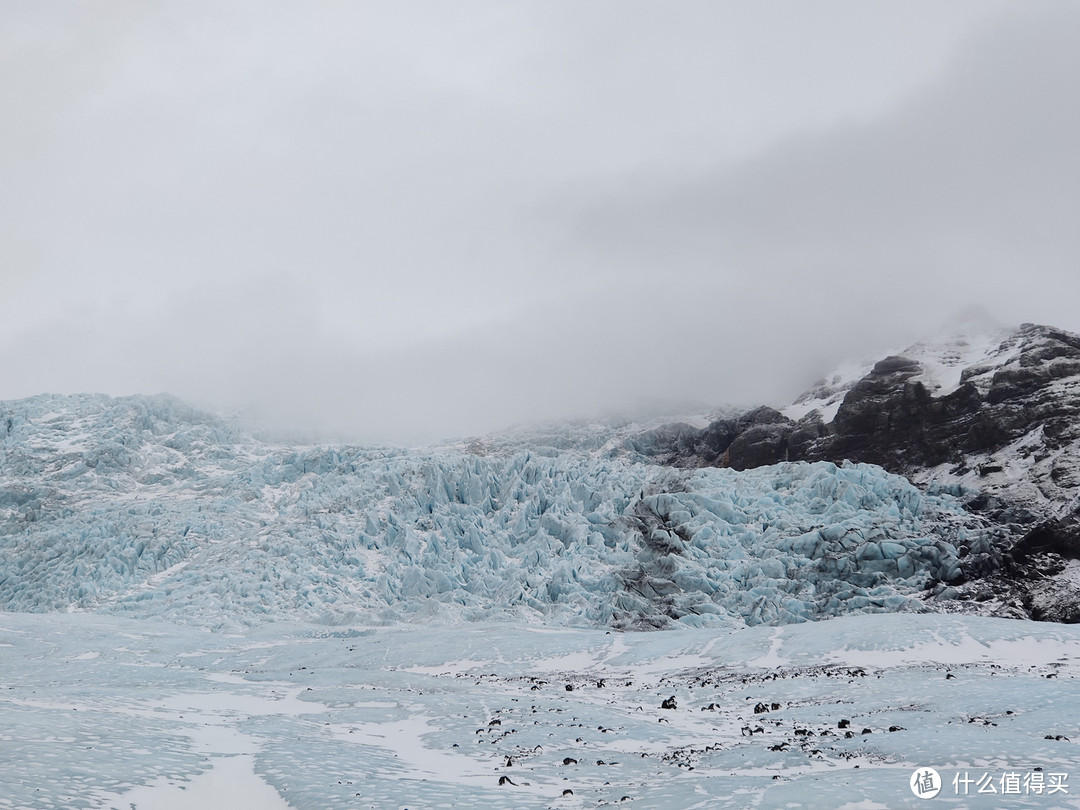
[(145, 506)]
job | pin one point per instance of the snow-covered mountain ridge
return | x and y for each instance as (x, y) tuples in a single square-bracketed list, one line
[(146, 506)]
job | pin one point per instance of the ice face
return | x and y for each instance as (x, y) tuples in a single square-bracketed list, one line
[(145, 506)]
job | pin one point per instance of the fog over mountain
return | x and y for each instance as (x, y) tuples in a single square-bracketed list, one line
[(399, 222)]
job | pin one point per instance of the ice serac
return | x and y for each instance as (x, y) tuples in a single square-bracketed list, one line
[(148, 507), (992, 416)]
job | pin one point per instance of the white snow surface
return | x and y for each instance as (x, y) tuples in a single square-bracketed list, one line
[(145, 506)]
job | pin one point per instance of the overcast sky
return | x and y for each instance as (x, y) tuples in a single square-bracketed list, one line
[(399, 221)]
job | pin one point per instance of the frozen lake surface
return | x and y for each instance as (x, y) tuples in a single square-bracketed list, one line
[(114, 712)]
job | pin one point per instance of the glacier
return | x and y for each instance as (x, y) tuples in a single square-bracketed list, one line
[(146, 506), (194, 615)]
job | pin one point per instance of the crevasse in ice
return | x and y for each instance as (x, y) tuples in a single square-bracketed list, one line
[(147, 506)]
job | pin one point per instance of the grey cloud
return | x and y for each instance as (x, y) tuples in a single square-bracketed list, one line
[(398, 221), (968, 192)]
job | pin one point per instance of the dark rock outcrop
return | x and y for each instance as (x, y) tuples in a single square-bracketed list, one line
[(888, 419), (753, 439)]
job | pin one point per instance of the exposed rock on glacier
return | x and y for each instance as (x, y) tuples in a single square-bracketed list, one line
[(143, 505)]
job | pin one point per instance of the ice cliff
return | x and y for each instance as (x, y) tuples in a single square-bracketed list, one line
[(145, 506)]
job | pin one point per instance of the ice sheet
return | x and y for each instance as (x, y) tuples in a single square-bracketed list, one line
[(312, 717)]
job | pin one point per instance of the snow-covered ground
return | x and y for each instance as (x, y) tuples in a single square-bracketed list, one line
[(111, 712)]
